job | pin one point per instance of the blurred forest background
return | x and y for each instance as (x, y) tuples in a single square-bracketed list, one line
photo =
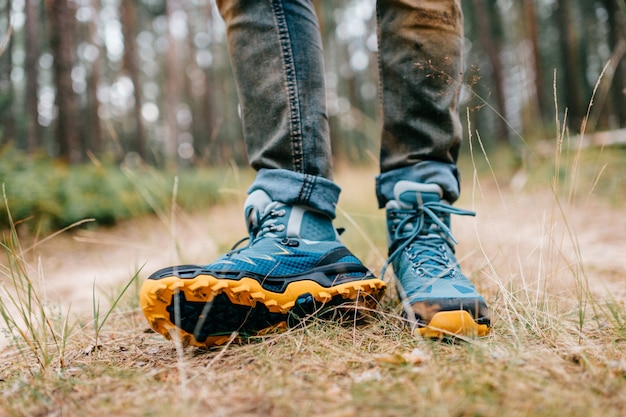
[(150, 79)]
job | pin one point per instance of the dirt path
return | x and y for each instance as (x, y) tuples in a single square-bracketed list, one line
[(523, 238)]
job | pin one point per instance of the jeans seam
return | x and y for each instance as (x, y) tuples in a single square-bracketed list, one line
[(295, 129), (308, 183)]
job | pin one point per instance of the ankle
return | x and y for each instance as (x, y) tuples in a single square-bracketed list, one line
[(265, 217)]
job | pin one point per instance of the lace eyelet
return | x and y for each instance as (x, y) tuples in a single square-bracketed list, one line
[(291, 243)]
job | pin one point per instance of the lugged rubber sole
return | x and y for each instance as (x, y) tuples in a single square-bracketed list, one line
[(445, 324), (205, 310)]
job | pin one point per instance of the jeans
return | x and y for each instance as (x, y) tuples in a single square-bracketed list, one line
[(277, 58)]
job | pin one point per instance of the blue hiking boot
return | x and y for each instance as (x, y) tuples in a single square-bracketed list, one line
[(439, 300), (292, 266)]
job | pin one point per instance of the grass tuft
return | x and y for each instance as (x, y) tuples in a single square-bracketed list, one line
[(34, 330)]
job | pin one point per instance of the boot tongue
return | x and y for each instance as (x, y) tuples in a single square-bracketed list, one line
[(413, 196), (410, 194), (414, 199)]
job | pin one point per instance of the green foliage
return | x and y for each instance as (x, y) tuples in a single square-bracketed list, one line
[(47, 195)]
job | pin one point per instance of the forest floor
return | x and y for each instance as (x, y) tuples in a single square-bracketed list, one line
[(551, 267)]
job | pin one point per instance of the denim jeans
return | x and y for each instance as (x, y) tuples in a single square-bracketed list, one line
[(277, 58)]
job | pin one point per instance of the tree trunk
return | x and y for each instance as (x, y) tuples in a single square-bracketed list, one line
[(96, 141), (572, 64), (61, 17), (7, 112), (209, 116), (171, 87), (194, 84), (542, 97), (32, 74), (128, 14), (617, 41), (491, 47)]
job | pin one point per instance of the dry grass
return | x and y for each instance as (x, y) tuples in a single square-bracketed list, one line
[(552, 272)]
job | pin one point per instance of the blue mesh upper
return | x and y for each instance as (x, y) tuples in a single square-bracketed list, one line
[(269, 257)]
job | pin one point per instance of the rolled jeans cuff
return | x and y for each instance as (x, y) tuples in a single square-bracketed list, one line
[(293, 188), (426, 172)]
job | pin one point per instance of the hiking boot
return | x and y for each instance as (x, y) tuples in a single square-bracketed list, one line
[(439, 300), (292, 266)]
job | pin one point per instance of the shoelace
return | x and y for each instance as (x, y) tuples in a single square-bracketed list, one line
[(266, 223), (432, 259)]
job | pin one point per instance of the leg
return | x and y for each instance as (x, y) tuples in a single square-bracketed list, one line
[(276, 52), (294, 263), (420, 44)]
